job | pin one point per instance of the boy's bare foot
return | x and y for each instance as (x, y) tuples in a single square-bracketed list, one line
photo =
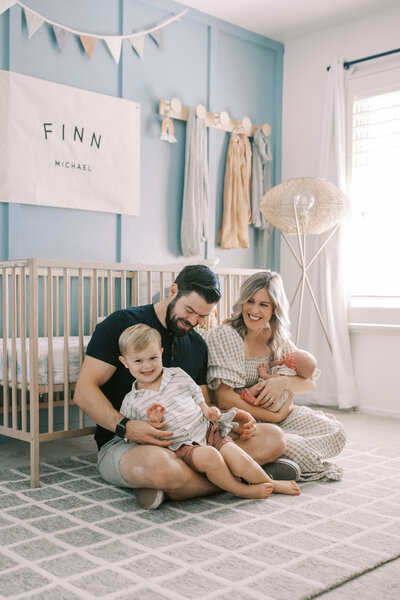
[(257, 490), (286, 487)]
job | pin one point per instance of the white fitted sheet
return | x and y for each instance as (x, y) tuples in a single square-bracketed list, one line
[(43, 363)]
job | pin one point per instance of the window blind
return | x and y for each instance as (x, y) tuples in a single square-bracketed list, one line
[(376, 150), (375, 195)]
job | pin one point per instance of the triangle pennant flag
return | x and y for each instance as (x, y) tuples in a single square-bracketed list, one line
[(89, 44), (114, 44), (158, 37), (5, 4), (33, 22), (62, 36), (138, 45)]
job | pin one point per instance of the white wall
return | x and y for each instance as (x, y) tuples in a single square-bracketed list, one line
[(305, 63)]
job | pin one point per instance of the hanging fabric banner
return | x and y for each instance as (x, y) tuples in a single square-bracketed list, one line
[(138, 45), (33, 21), (89, 44), (158, 37), (114, 45), (62, 36), (66, 147)]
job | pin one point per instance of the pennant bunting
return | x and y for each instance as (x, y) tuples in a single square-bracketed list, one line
[(62, 36), (89, 41), (138, 45), (158, 37), (89, 44), (5, 4), (114, 44), (33, 22)]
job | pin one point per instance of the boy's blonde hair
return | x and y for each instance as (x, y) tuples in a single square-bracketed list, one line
[(138, 337)]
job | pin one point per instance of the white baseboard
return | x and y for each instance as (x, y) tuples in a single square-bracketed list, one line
[(379, 412)]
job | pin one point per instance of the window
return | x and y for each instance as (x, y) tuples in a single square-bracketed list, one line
[(374, 184)]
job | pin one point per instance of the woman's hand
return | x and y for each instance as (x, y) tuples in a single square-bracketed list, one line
[(273, 389), (247, 424)]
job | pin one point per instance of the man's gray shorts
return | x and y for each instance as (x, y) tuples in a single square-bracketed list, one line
[(108, 461)]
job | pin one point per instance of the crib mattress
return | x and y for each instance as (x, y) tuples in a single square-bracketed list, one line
[(43, 359)]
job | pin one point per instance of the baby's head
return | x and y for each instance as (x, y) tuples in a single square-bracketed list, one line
[(305, 363), (141, 352)]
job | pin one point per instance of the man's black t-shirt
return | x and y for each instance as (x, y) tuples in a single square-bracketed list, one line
[(188, 352)]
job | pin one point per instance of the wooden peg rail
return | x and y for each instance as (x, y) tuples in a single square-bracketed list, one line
[(175, 110)]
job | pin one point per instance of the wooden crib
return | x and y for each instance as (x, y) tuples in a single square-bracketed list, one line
[(49, 309)]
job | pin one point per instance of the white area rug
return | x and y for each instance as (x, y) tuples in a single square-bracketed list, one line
[(78, 538)]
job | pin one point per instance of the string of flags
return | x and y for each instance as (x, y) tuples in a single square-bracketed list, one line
[(89, 40)]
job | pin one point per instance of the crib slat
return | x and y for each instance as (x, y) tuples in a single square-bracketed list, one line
[(228, 295), (57, 305), (81, 326), (14, 398), (162, 294), (50, 356), (110, 295), (66, 327), (24, 362), (102, 295), (95, 298), (43, 320), (81, 315), (5, 311), (149, 288), (135, 289), (33, 362), (123, 288)]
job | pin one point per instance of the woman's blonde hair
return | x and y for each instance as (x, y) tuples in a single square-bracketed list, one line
[(279, 322), (138, 337)]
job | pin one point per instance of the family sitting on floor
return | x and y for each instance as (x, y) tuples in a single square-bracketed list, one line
[(146, 382)]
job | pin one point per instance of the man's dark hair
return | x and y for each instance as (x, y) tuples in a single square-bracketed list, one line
[(199, 279)]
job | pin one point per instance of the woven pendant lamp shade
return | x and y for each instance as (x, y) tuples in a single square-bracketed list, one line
[(320, 205)]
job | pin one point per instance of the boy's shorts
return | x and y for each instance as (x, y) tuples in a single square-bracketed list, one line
[(213, 438), (108, 460)]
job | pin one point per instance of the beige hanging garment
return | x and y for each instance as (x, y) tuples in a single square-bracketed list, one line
[(234, 232)]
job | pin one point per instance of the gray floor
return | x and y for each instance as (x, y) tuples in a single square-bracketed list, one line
[(381, 584)]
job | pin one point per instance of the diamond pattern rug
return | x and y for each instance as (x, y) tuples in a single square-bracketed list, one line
[(79, 538)]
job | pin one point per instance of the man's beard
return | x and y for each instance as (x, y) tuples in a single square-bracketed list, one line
[(172, 322)]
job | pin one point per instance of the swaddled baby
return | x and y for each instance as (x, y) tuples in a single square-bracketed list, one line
[(298, 362)]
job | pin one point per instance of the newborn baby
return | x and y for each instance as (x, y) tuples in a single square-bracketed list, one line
[(298, 362)]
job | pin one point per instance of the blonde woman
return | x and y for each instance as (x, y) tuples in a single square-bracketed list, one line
[(256, 333)]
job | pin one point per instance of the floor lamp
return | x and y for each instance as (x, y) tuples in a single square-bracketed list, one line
[(306, 205)]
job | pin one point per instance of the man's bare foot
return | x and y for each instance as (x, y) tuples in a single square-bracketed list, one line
[(286, 487), (257, 490)]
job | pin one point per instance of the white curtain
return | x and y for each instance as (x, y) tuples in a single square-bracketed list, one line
[(336, 385)]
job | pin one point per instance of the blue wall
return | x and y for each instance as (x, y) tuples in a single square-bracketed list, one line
[(205, 60)]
